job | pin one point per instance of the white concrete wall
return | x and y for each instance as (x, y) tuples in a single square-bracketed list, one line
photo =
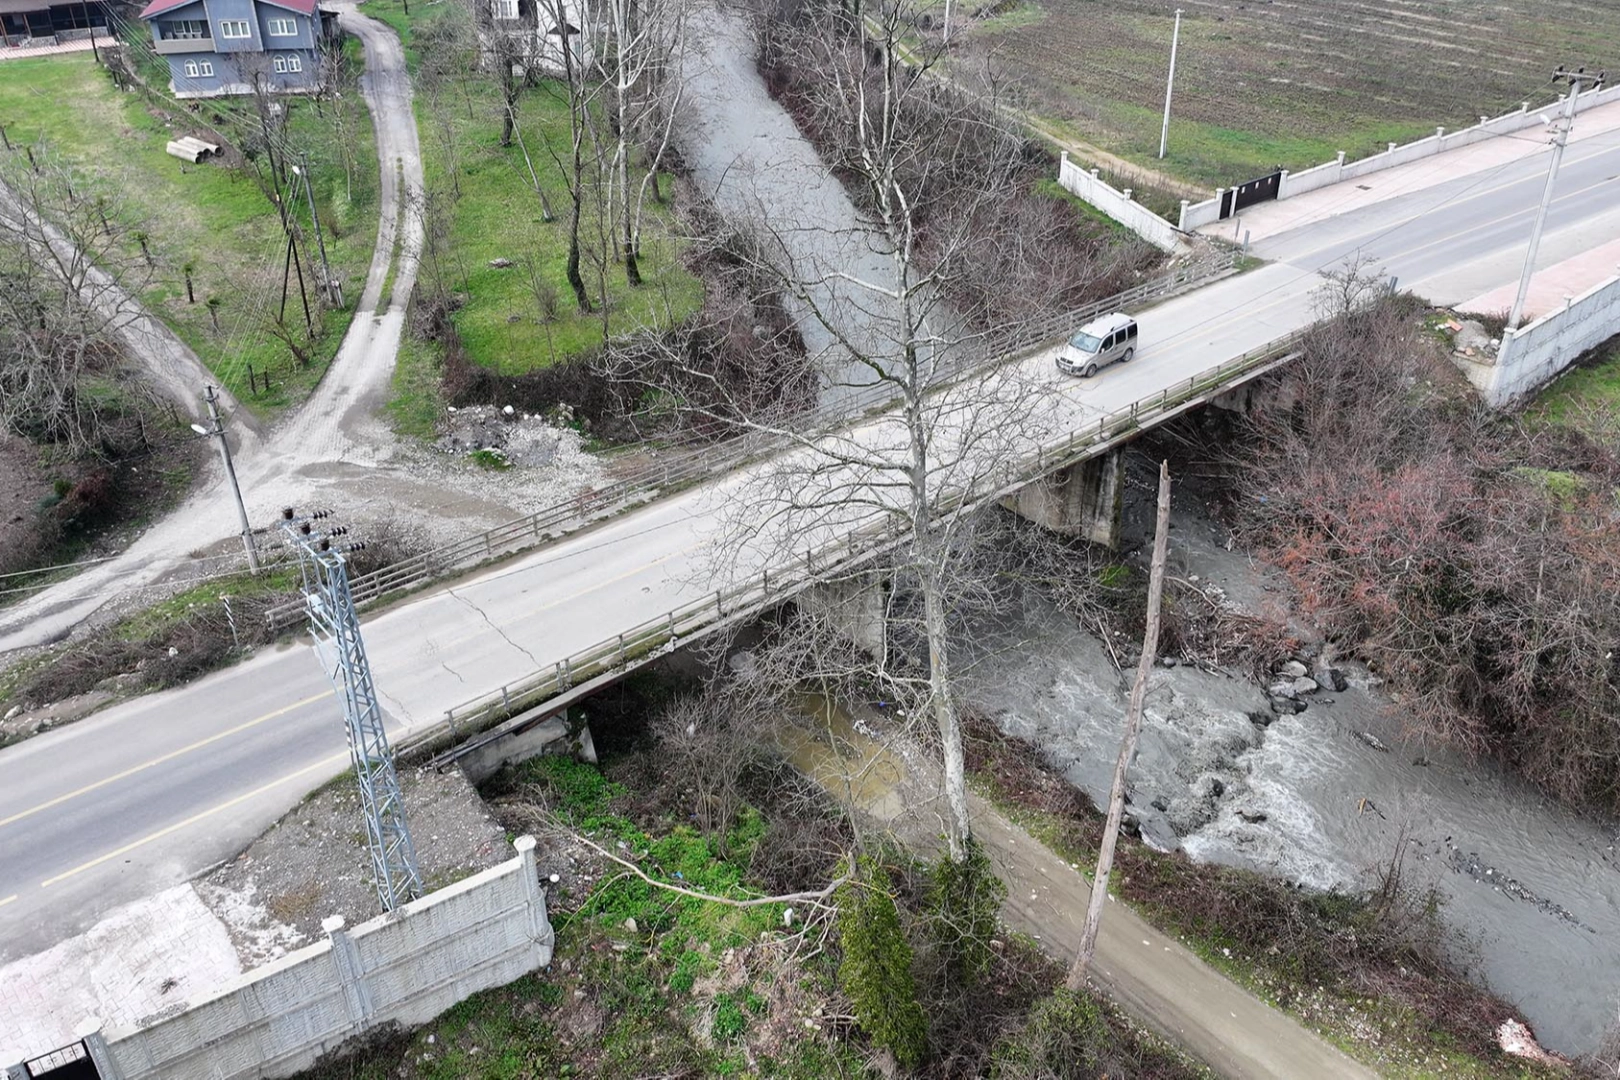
[(1195, 214), (407, 967), (1533, 354), (1118, 205)]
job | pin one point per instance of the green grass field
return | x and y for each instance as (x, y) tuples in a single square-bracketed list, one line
[(1587, 398), (495, 214), (1259, 85), (211, 216)]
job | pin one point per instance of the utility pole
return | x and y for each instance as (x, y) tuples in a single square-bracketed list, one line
[(218, 431), (1578, 80), (1175, 40), (1127, 744), (334, 291), (336, 629)]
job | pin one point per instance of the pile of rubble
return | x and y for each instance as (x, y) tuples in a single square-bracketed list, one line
[(518, 439)]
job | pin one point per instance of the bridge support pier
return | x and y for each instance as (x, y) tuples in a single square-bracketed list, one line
[(857, 607), (1086, 499)]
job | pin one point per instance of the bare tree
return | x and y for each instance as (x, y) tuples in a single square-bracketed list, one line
[(640, 61), (572, 22), (69, 266), (916, 473), (1127, 745)]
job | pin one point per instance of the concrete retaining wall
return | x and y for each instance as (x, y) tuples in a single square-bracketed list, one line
[(1118, 205), (407, 967), (1532, 355), (1195, 214)]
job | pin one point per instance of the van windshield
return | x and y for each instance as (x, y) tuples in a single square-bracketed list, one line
[(1086, 342)]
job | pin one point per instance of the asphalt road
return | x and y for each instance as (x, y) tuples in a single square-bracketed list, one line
[(151, 791), (1454, 241)]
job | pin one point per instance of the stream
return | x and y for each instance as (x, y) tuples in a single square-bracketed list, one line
[(1323, 797)]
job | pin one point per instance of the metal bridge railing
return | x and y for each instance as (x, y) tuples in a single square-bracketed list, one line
[(666, 632), (678, 466)]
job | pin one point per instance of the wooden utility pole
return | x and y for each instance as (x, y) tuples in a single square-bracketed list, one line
[(1127, 745)]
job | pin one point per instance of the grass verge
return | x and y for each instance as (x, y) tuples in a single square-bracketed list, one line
[(212, 218)]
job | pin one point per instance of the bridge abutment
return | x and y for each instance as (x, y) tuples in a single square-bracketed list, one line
[(856, 607), (1086, 499)]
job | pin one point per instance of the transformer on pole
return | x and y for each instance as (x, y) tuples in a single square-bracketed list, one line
[(336, 628)]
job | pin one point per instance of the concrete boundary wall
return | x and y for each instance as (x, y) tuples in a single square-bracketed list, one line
[(1118, 205), (1195, 214), (406, 967), (1532, 355)]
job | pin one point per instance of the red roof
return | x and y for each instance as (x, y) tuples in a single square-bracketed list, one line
[(158, 7)]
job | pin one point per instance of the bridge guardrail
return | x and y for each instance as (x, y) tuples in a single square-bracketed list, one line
[(666, 632), (693, 461)]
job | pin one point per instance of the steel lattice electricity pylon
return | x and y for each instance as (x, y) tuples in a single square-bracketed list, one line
[(336, 629)]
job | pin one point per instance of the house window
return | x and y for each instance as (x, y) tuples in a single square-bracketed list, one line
[(283, 28), (506, 9), (185, 30), (234, 28), (280, 63), (191, 69), (207, 67), (294, 64)]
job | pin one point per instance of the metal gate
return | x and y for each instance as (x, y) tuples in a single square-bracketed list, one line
[(1262, 189), (71, 1062)]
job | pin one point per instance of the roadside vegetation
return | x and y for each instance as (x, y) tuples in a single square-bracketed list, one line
[(208, 236), (560, 238), (859, 973), (1259, 85), (1468, 558), (1009, 244), (179, 638)]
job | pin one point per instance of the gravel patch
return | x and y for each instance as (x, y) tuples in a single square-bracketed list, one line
[(313, 863)]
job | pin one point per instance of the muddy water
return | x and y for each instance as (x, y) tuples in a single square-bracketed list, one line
[(746, 153), (1531, 891)]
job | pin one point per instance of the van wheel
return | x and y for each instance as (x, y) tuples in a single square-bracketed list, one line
[(1091, 369), (1127, 357)]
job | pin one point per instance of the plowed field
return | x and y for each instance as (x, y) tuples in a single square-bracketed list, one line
[(1265, 82)]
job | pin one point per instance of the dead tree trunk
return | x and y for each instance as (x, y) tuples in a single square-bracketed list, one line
[(1127, 744)]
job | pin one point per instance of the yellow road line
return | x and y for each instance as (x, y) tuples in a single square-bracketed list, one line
[(199, 744), (325, 763), (8, 900)]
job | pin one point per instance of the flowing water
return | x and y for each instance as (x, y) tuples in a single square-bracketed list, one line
[(1529, 889)]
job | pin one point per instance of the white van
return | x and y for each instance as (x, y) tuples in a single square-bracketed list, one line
[(1098, 344)]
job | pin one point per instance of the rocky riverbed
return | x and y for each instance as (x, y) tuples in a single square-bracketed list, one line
[(1308, 776)]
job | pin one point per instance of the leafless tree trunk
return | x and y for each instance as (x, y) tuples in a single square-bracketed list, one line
[(1127, 744)]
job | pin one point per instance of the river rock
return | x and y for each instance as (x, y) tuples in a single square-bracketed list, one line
[(1292, 669), (1282, 688), (1333, 679), (1253, 817), (1305, 685), (1286, 706)]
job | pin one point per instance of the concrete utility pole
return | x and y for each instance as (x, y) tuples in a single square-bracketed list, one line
[(1127, 744), (334, 291), (1170, 85), (218, 431), (1578, 80)]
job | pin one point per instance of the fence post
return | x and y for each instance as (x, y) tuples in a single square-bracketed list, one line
[(672, 627), (719, 605), (621, 650), (506, 700), (346, 963)]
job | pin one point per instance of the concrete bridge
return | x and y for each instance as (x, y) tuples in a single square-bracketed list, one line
[(153, 790)]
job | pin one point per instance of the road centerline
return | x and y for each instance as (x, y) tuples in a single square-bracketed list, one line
[(192, 820), (170, 756)]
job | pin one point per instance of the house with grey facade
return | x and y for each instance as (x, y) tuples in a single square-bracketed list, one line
[(219, 47)]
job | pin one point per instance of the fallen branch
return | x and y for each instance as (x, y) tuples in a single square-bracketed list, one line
[(818, 897)]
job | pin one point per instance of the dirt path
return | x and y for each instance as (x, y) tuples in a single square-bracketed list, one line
[(336, 451), (1154, 976)]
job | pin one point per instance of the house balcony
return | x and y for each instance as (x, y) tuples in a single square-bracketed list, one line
[(170, 46)]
